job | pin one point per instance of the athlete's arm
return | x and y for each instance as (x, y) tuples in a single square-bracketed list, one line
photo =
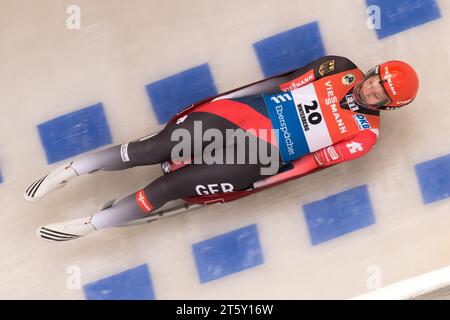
[(347, 150), (323, 67), (314, 70), (340, 152)]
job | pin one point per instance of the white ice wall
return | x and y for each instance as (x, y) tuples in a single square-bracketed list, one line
[(47, 70)]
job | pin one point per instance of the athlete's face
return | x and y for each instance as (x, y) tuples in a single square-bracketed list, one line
[(371, 93)]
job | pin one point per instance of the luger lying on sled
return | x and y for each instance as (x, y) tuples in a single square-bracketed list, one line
[(286, 173)]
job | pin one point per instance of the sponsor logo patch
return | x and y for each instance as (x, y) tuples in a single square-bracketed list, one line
[(181, 119), (404, 101), (298, 82), (332, 153), (354, 147), (124, 153), (326, 67), (348, 79), (165, 166), (332, 102), (143, 202), (361, 121), (388, 77), (351, 102)]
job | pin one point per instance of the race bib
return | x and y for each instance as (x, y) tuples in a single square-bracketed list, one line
[(298, 117), (312, 119)]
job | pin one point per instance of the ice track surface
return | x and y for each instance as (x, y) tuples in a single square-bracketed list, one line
[(381, 219)]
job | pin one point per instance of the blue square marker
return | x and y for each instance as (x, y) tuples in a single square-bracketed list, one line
[(290, 49), (175, 93), (228, 253), (1, 178), (133, 284), (400, 15), (339, 214), (74, 133), (434, 179)]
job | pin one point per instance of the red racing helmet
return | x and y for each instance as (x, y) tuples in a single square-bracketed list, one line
[(400, 82)]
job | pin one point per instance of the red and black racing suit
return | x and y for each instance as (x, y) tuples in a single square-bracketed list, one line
[(198, 179)]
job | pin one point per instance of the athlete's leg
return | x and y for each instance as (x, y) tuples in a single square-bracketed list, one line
[(146, 151), (187, 181), (191, 180)]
